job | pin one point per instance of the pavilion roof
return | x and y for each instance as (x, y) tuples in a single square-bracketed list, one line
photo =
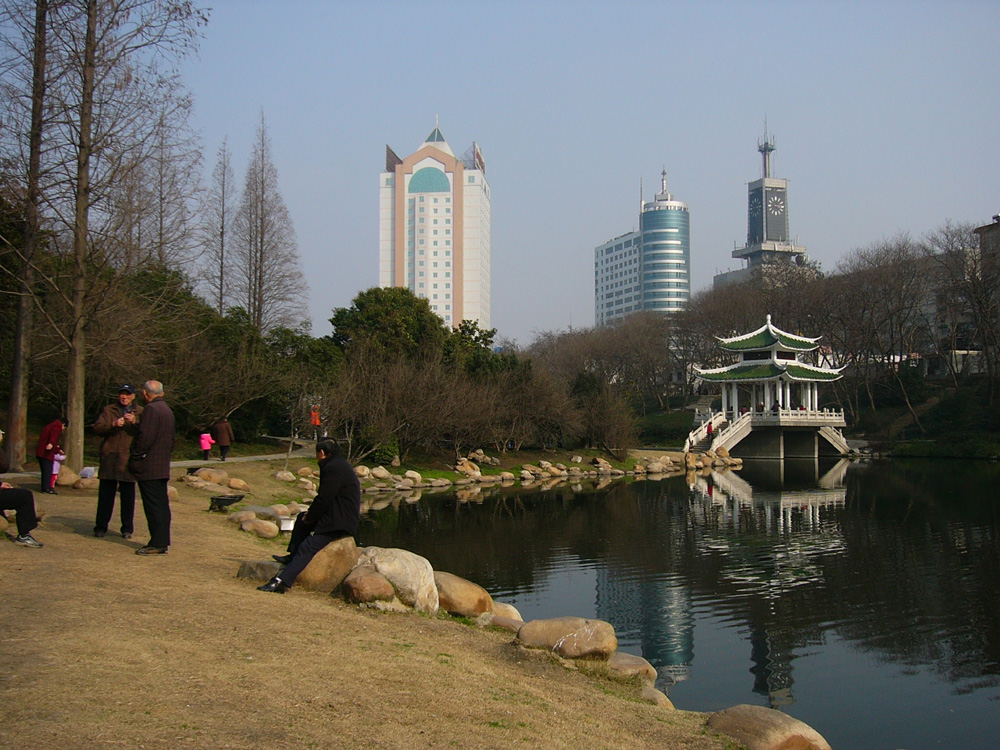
[(766, 337), (756, 371)]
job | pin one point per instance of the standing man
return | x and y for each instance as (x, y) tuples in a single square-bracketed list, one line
[(334, 514), (48, 446), (118, 424), (149, 463), (223, 436)]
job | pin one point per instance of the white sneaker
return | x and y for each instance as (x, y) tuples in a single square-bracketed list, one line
[(27, 540)]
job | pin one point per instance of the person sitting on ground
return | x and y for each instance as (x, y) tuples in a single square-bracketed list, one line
[(334, 514), (20, 501)]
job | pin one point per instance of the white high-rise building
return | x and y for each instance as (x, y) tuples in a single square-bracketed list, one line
[(434, 229)]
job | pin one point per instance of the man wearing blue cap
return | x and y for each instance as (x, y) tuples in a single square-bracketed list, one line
[(118, 424)]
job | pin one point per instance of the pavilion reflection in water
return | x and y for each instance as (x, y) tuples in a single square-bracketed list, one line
[(784, 505)]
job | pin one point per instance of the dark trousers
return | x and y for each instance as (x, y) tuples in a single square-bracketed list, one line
[(303, 546), (206, 451), (224, 450), (156, 506), (106, 504), (21, 502), (46, 466)]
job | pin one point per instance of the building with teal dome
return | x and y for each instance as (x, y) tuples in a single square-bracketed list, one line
[(434, 229)]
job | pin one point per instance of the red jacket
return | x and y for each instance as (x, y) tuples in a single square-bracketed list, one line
[(49, 435)]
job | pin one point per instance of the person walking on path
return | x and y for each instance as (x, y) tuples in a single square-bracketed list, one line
[(206, 442), (149, 463), (20, 501), (223, 436), (48, 446), (334, 514), (118, 424)]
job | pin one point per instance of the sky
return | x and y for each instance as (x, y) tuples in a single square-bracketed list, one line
[(885, 115)]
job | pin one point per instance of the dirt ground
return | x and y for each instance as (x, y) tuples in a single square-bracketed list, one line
[(101, 648)]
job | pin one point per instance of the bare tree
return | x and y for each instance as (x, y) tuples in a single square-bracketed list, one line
[(219, 212), (266, 276)]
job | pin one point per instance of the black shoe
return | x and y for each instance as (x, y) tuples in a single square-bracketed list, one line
[(49, 491), (99, 534), (283, 559), (274, 586), (147, 550)]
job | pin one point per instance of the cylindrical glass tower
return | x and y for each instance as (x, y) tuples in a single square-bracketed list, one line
[(666, 252)]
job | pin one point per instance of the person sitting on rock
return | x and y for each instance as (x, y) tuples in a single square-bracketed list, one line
[(20, 501), (334, 514)]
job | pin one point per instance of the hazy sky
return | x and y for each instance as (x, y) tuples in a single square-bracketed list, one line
[(886, 117)]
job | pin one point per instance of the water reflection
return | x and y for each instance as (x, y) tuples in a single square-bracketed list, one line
[(800, 588)]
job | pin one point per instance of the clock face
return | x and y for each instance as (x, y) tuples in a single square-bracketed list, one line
[(775, 205), (755, 205)]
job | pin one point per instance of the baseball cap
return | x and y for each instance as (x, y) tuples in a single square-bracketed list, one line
[(127, 389)]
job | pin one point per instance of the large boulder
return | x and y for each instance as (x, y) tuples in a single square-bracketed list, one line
[(460, 597), (216, 476), (89, 483), (330, 566), (414, 477), (690, 460), (364, 585), (570, 637), (630, 665), (411, 576), (67, 477), (759, 728), (172, 494), (381, 473), (284, 476), (242, 515), (305, 471), (721, 452), (238, 484), (362, 471), (260, 527), (502, 609), (280, 510)]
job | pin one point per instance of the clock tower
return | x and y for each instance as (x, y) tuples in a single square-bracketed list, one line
[(768, 236)]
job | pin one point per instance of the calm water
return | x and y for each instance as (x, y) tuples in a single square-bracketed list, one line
[(863, 599)]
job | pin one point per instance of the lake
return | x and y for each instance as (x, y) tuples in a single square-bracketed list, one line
[(863, 598)]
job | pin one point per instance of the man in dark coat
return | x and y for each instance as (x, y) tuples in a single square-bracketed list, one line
[(149, 463), (118, 424), (222, 431), (334, 514), (20, 501)]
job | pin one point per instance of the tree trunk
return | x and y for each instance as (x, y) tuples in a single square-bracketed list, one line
[(18, 402), (78, 340)]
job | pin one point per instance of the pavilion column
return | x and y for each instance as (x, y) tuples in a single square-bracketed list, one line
[(736, 400), (725, 398)]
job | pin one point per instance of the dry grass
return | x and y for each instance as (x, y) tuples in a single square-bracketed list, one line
[(105, 649)]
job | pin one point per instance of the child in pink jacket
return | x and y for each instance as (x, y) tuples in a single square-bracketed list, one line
[(206, 443)]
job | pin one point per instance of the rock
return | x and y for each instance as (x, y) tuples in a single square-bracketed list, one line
[(380, 472), (526, 475), (414, 477), (441, 482), (690, 460), (305, 471), (577, 459), (630, 665), (3, 523), (457, 596), (467, 467), (506, 623), (281, 511), (506, 476), (241, 515), (655, 467), (217, 476), (295, 508), (260, 527), (362, 472), (570, 637), (721, 452), (395, 462), (363, 585), (285, 476), (411, 576), (258, 570), (172, 494), (654, 696), (502, 609), (599, 462), (330, 566), (87, 484), (307, 485), (238, 484), (639, 469), (760, 728), (67, 477)]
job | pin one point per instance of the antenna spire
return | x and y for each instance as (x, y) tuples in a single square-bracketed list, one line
[(766, 146)]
